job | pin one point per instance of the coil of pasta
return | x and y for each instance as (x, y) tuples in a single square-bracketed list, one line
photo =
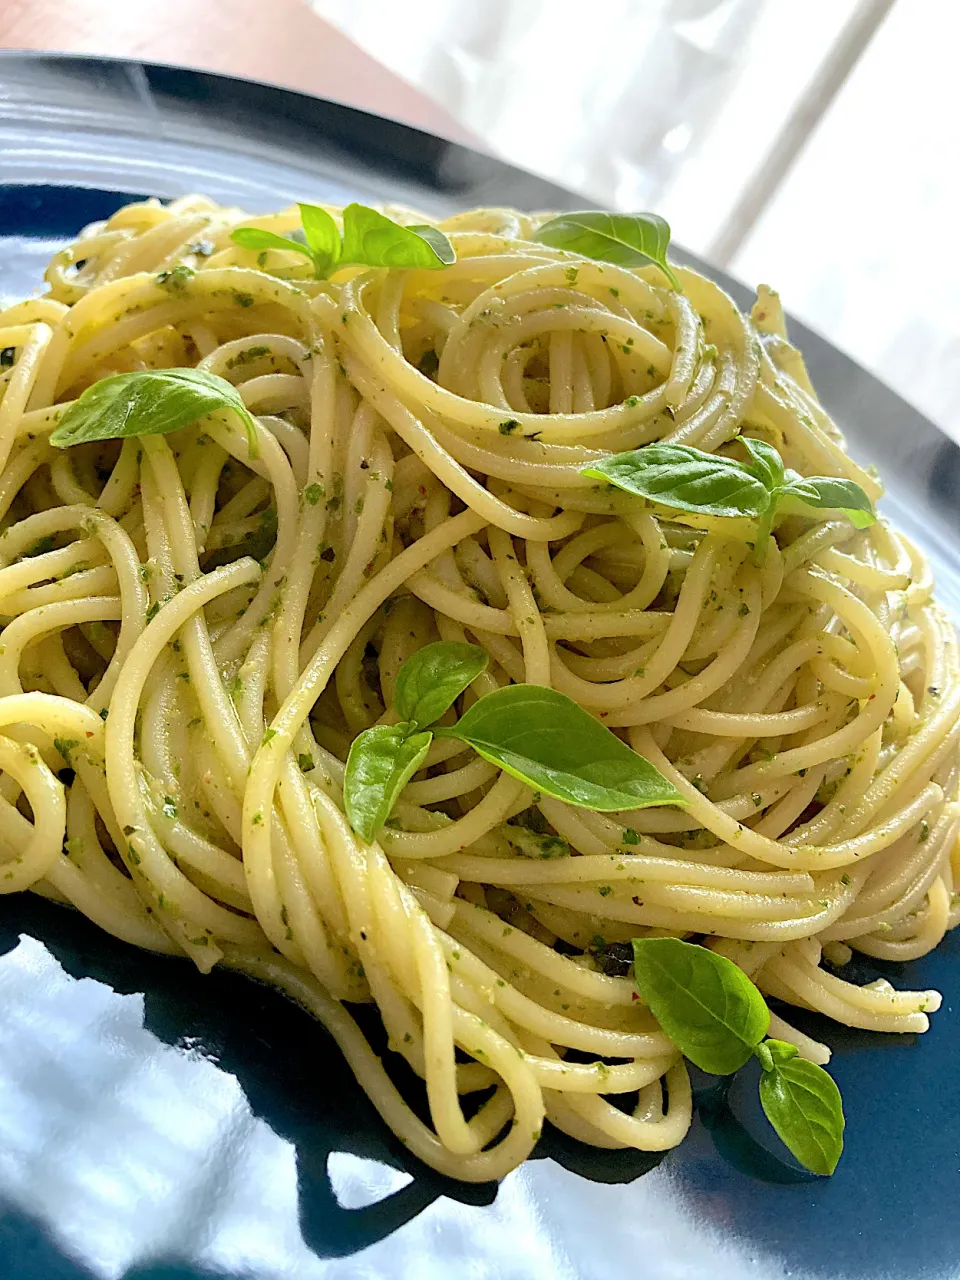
[(198, 624)]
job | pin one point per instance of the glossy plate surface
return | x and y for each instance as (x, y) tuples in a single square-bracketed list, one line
[(156, 1123)]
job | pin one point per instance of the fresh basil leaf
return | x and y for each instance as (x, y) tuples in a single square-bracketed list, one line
[(706, 1005), (676, 475), (803, 1104), (371, 239), (260, 238), (319, 240), (822, 492), (762, 1052), (437, 241), (626, 239), (545, 739), (765, 463), (431, 680), (322, 237), (770, 1052), (781, 1050), (381, 762), (709, 484), (151, 402)]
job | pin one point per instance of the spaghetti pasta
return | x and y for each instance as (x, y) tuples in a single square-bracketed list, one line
[(196, 630)]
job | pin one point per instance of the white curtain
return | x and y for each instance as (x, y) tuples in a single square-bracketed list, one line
[(604, 97), (675, 105)]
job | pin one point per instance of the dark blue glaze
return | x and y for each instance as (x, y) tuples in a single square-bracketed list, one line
[(209, 1128)]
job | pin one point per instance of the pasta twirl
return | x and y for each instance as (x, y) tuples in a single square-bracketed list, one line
[(196, 630)]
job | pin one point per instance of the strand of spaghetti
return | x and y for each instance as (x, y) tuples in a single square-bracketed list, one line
[(415, 434), (32, 341), (22, 762), (368, 343), (265, 768), (175, 898), (381, 1091)]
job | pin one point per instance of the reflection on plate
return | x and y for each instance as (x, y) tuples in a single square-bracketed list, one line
[(208, 1127)]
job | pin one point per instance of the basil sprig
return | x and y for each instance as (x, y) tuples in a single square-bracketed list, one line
[(718, 1019), (707, 1005), (381, 762), (803, 1104), (710, 484), (370, 239), (430, 682), (626, 239), (149, 403), (534, 733), (546, 739)]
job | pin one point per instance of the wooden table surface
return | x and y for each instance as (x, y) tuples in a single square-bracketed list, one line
[(280, 41)]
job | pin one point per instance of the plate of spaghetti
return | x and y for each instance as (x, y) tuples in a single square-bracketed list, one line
[(468, 639)]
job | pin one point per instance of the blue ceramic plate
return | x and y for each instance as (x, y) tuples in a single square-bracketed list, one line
[(155, 1123)]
